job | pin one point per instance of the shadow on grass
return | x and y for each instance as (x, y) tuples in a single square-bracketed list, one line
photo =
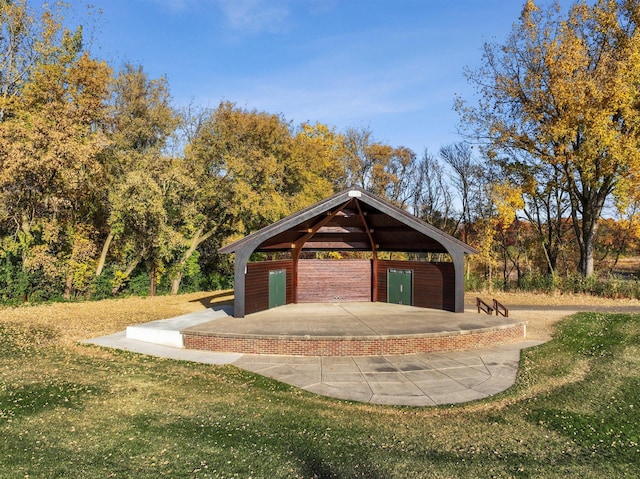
[(314, 466), (216, 301)]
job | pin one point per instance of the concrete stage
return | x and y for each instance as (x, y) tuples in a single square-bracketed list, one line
[(351, 329)]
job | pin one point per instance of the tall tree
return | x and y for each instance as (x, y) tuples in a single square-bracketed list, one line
[(467, 179), (141, 174), (252, 168), (27, 40), (563, 91), (50, 158), (378, 167), (246, 158), (318, 151), (432, 199), (545, 205)]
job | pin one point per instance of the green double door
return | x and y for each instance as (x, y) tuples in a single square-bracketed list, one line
[(277, 288), (399, 286)]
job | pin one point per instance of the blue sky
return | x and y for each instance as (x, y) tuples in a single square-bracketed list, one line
[(393, 66)]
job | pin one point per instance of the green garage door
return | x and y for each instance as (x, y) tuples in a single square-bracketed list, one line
[(277, 288), (399, 286)]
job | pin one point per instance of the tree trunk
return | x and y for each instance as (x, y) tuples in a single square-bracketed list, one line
[(175, 283), (586, 228), (198, 238), (103, 255), (128, 272), (68, 284), (153, 275), (587, 248)]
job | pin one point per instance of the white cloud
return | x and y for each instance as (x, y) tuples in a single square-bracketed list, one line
[(255, 16)]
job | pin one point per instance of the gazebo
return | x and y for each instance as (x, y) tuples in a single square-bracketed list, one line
[(353, 220)]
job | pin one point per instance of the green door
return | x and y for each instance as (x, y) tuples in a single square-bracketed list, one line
[(277, 288), (399, 287)]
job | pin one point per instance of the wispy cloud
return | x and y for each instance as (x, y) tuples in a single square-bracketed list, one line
[(255, 16), (175, 5), (333, 88)]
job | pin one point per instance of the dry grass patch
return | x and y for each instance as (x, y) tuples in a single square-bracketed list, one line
[(78, 321), (543, 311)]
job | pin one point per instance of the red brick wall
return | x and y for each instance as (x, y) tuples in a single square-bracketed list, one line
[(350, 280), (433, 283), (356, 347), (257, 284), (325, 280)]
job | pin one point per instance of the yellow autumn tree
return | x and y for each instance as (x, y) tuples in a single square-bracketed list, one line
[(51, 169), (563, 91)]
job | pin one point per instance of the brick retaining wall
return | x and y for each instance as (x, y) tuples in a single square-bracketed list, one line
[(377, 346)]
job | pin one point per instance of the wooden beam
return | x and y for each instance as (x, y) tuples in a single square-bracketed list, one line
[(374, 254), (335, 245), (311, 231)]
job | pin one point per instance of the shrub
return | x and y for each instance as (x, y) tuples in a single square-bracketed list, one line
[(102, 285), (139, 285)]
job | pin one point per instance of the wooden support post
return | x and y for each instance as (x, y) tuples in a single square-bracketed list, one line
[(374, 253)]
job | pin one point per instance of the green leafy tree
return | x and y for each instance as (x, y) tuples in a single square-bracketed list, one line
[(245, 158), (141, 177)]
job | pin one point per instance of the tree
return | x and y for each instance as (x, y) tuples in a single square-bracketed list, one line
[(51, 141), (141, 176), (26, 41), (467, 180), (563, 92), (377, 167), (545, 205), (247, 155), (318, 150), (432, 199)]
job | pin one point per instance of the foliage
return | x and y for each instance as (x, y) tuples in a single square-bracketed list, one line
[(103, 181), (561, 94), (606, 287)]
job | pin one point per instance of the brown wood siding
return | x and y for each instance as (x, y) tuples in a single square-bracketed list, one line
[(433, 283), (322, 281), (257, 284)]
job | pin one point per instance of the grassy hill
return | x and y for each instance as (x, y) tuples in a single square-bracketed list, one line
[(69, 410)]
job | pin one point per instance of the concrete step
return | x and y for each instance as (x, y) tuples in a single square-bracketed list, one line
[(166, 332)]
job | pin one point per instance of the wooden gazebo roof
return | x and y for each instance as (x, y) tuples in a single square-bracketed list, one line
[(353, 219)]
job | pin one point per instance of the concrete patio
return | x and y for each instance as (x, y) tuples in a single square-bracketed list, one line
[(422, 379)]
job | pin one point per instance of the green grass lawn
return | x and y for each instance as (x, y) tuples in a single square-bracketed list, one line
[(84, 412)]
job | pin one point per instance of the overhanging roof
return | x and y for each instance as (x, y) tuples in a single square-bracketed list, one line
[(350, 221)]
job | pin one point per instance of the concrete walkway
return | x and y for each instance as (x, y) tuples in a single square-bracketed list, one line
[(425, 379)]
